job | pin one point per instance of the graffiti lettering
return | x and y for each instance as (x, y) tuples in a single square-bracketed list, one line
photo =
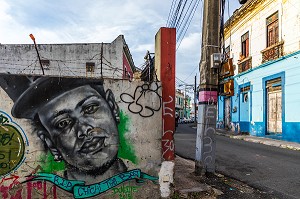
[(5, 160), (80, 190), (6, 191), (62, 182), (166, 109), (125, 192), (5, 138), (208, 132), (3, 119), (168, 145), (141, 102), (12, 146), (41, 189), (168, 128)]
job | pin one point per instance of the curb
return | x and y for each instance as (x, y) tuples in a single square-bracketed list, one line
[(265, 141)]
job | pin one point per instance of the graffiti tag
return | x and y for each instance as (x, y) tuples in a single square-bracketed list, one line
[(14, 189), (209, 131), (168, 128), (125, 192), (141, 102)]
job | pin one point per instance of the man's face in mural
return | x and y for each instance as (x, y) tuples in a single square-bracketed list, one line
[(81, 128)]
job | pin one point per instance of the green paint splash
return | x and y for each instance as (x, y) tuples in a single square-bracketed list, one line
[(49, 165), (126, 149)]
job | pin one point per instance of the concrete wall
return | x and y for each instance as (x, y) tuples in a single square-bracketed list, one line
[(66, 59), (63, 129)]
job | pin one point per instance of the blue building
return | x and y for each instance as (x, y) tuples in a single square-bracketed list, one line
[(263, 40)]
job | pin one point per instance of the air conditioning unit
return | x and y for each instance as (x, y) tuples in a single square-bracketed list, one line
[(216, 60)]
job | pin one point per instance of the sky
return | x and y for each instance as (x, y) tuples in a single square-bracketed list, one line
[(97, 21)]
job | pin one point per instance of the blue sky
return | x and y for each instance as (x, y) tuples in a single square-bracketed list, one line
[(96, 21)]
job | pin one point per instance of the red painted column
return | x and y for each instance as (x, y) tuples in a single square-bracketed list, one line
[(165, 49)]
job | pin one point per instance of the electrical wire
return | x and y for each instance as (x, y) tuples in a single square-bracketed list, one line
[(188, 25), (178, 20), (171, 12)]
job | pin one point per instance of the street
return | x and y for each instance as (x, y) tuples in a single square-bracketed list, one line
[(271, 169)]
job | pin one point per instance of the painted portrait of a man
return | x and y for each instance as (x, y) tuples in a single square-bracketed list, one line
[(76, 119)]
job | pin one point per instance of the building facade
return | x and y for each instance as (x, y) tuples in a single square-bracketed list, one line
[(107, 60), (263, 40), (179, 103)]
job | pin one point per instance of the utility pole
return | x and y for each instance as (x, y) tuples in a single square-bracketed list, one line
[(195, 100), (208, 94), (184, 113)]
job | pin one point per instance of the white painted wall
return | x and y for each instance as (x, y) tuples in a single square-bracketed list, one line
[(255, 23)]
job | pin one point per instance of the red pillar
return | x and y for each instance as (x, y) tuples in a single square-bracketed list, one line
[(165, 49)]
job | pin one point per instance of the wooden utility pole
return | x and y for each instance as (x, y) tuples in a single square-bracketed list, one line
[(207, 108), (195, 100)]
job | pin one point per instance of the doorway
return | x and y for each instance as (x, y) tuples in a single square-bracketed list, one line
[(227, 108), (274, 107)]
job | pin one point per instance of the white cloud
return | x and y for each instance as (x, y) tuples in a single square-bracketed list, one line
[(77, 21), (144, 48), (191, 43)]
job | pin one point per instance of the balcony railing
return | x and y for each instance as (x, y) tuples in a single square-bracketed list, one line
[(272, 52), (245, 64)]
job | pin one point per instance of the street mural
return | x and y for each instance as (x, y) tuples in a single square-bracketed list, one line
[(83, 132), (12, 145)]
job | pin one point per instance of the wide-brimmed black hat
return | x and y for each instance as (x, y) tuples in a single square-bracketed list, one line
[(30, 93)]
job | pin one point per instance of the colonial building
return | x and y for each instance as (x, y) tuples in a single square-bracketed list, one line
[(107, 60), (263, 96)]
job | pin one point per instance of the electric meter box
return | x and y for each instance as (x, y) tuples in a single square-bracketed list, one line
[(216, 60)]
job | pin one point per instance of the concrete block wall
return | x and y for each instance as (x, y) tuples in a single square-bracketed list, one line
[(79, 137), (64, 59)]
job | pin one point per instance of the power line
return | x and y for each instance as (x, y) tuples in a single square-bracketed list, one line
[(180, 14), (188, 25), (171, 12)]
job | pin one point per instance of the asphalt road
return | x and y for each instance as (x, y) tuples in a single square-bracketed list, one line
[(271, 169)]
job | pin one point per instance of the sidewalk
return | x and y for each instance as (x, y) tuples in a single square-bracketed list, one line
[(213, 186), (262, 140)]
